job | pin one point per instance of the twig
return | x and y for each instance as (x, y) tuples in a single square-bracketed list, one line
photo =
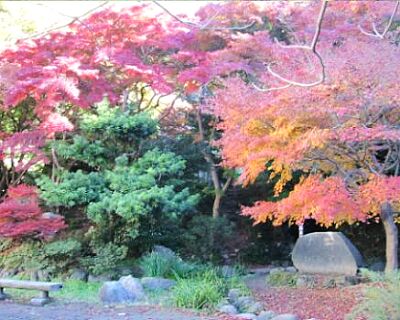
[(204, 25), (375, 32), (311, 48), (74, 19)]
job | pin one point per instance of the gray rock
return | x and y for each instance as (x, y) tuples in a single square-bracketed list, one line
[(266, 315), (124, 271), (246, 316), (326, 253), (133, 286), (291, 269), (306, 281), (233, 296), (286, 316), (99, 278), (256, 308), (228, 309), (244, 303), (162, 250), (276, 270), (260, 271), (51, 215), (79, 274), (114, 292), (40, 301), (155, 283)]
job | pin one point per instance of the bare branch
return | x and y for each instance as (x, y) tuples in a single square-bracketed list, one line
[(204, 26), (311, 48), (74, 19), (376, 32)]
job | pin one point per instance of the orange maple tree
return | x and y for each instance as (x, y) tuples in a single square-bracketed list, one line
[(342, 131)]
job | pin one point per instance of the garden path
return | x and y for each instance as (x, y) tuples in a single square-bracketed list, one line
[(84, 311)]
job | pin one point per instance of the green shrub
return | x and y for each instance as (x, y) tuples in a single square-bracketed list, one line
[(208, 238), (53, 257), (156, 264), (282, 279), (203, 291), (107, 258), (381, 299)]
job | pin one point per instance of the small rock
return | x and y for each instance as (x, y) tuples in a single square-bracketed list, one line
[(286, 316), (124, 271), (233, 296), (155, 283), (266, 315), (260, 271), (276, 270), (40, 301), (244, 303), (305, 281), (79, 274), (228, 309), (246, 316), (133, 286), (114, 292), (256, 308), (291, 269)]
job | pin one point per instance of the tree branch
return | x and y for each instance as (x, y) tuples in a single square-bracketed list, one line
[(375, 32), (311, 48), (204, 26)]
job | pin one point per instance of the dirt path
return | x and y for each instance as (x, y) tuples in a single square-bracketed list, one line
[(84, 311)]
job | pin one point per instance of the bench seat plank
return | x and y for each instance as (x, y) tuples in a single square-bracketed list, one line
[(30, 285)]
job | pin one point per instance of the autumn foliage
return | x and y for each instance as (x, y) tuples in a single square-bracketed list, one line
[(21, 216)]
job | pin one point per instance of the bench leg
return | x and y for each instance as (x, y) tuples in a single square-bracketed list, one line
[(44, 299), (3, 296)]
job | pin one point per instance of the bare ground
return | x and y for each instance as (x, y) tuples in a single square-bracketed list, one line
[(84, 311)]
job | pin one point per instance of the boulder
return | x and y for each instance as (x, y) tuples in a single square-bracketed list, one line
[(228, 309), (286, 316), (114, 292), (155, 283), (79, 274), (164, 251), (133, 286), (326, 253)]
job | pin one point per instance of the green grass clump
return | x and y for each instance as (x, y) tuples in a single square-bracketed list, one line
[(166, 266), (205, 289), (282, 279), (202, 291), (381, 298)]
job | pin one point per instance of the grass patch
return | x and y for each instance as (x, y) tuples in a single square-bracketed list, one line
[(205, 290), (74, 291), (282, 279), (381, 299)]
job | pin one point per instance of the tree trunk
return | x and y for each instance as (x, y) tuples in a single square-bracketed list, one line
[(391, 234), (216, 204), (212, 167)]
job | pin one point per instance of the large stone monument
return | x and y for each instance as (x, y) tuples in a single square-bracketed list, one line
[(326, 253)]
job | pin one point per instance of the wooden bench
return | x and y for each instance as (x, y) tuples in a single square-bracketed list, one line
[(44, 287)]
